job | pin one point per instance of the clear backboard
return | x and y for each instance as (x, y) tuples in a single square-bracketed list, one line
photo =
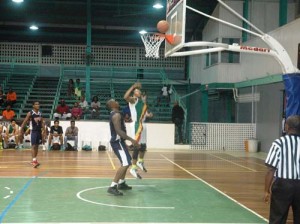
[(176, 14)]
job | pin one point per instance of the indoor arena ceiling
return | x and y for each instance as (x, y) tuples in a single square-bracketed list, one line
[(114, 22)]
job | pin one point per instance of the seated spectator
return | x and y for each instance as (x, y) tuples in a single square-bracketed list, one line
[(77, 89), (12, 134), (71, 134), (76, 112), (45, 134), (126, 114), (84, 105), (11, 97), (2, 134), (8, 114), (62, 111), (55, 140), (24, 135), (71, 89), (2, 98), (95, 107)]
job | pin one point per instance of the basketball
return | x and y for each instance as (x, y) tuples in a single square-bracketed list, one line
[(162, 26)]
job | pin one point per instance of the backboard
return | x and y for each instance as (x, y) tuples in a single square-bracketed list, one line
[(176, 17)]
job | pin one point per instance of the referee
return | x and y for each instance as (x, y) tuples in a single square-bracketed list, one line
[(283, 162)]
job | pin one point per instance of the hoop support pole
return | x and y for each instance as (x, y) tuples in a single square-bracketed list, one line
[(201, 51), (204, 44), (224, 22), (241, 17)]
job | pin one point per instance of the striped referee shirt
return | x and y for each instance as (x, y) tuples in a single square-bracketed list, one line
[(284, 156)]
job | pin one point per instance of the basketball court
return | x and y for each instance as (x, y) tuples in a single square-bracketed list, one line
[(181, 186)]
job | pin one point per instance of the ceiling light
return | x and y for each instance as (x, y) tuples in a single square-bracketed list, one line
[(18, 1), (33, 27), (158, 5), (143, 32)]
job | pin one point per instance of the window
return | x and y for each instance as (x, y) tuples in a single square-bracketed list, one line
[(230, 56)]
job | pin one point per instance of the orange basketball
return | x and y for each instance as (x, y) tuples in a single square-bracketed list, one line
[(162, 26)]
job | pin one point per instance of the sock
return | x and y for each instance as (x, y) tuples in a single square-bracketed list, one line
[(140, 160), (34, 159), (113, 184), (121, 181), (134, 167)]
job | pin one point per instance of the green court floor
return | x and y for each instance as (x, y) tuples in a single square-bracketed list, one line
[(84, 200)]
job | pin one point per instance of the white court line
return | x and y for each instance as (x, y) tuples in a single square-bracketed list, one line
[(131, 223), (216, 189), (233, 162), (118, 206), (10, 193), (111, 161)]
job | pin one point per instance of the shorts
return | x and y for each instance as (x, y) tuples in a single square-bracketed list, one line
[(36, 137), (140, 136), (55, 140), (121, 151)]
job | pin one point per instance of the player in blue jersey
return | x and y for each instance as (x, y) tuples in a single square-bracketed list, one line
[(117, 142), (36, 126)]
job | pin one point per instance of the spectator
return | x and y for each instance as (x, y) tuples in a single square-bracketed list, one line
[(78, 89), (84, 105), (11, 97), (170, 91), (71, 89), (95, 107), (2, 134), (76, 111), (24, 135), (55, 140), (178, 118), (71, 134), (45, 134), (163, 95), (2, 98), (62, 111), (8, 114), (12, 134)]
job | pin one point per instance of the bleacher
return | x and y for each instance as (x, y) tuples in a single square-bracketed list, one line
[(43, 90), (48, 90)]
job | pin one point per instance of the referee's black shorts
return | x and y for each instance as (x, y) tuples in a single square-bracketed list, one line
[(285, 193)]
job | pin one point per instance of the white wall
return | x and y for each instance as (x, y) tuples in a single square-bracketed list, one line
[(260, 66), (264, 15), (159, 136)]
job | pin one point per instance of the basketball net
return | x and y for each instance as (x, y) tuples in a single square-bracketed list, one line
[(152, 42)]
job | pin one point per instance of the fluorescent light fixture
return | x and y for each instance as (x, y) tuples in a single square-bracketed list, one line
[(33, 27), (143, 32), (18, 1), (158, 5)]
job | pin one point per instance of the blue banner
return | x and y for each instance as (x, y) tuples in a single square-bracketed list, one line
[(292, 91)]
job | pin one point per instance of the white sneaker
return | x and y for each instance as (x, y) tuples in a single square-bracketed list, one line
[(141, 166), (134, 173)]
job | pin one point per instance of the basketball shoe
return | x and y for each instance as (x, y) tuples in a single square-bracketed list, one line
[(124, 186), (114, 191), (35, 164), (141, 165), (134, 173)]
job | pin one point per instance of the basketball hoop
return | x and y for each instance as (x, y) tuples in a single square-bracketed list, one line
[(152, 42)]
